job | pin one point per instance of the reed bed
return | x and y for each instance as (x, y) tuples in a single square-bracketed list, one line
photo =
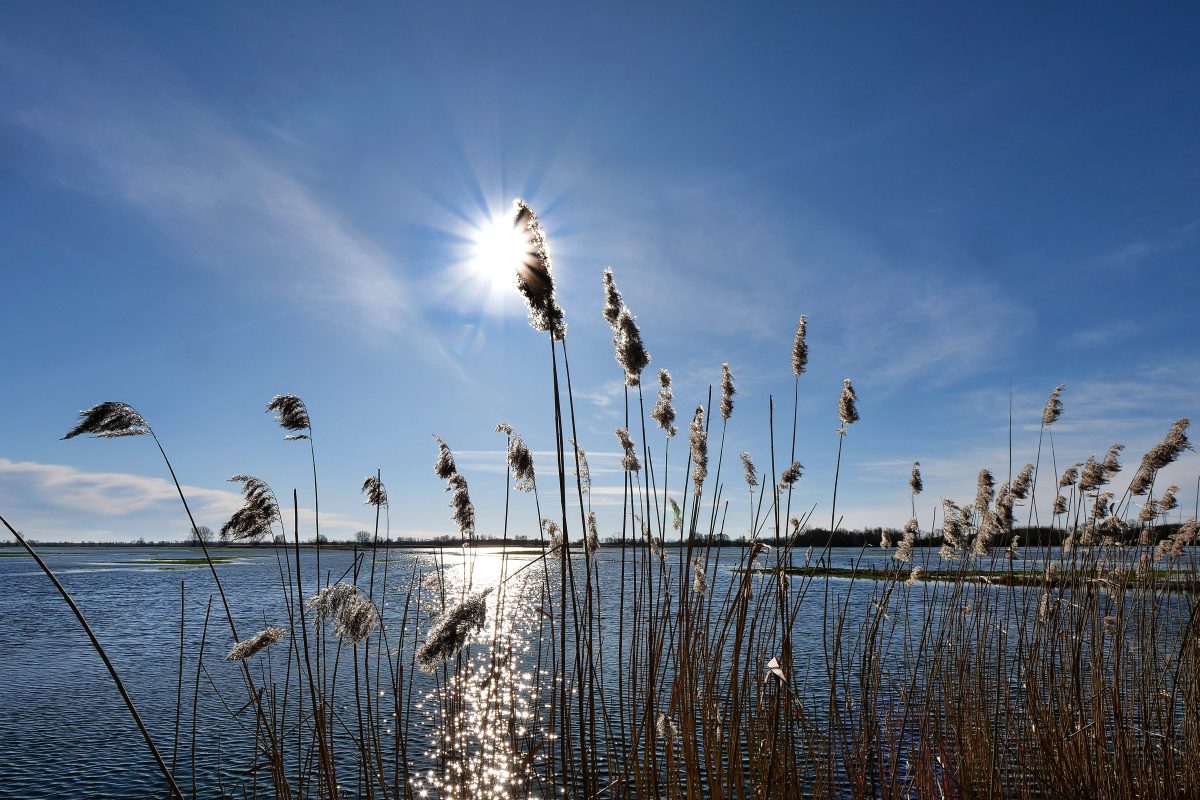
[(664, 667)]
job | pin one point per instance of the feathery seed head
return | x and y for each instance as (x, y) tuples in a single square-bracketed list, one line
[(698, 439), (1112, 463), (357, 618), (520, 461), (800, 348), (915, 484), (699, 578), (460, 501), (629, 461), (751, 473), (664, 412), (328, 603), (790, 475), (591, 542), (1069, 476), (914, 575), (1093, 475), (1168, 502), (727, 392), (1020, 486), (535, 274), (256, 643), (453, 628), (1054, 406), (444, 467), (582, 470), (848, 404), (291, 415), (260, 509), (676, 514), (375, 491), (630, 352), (1060, 505), (613, 302), (110, 420), (985, 491), (505, 428)]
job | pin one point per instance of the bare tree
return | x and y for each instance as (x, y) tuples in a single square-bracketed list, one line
[(201, 532)]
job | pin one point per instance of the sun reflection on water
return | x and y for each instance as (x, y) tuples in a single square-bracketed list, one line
[(484, 709)]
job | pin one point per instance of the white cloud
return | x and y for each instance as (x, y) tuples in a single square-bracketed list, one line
[(68, 501)]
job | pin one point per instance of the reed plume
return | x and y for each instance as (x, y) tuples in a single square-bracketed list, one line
[(1112, 463), (591, 541), (1020, 486), (535, 274), (460, 501), (953, 527), (520, 461), (915, 484), (330, 602), (505, 428), (904, 549), (790, 475), (699, 578), (109, 420), (629, 461), (666, 728), (291, 415), (1161, 455), (453, 628), (698, 439), (727, 392), (444, 467), (259, 510), (1054, 406), (676, 514), (630, 352), (356, 619), (848, 404), (985, 491), (1093, 475), (582, 470), (1060, 505), (751, 473), (664, 412), (247, 648), (800, 347), (613, 302), (1069, 477), (1168, 501), (914, 575), (375, 491)]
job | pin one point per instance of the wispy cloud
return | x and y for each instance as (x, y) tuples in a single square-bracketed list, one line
[(193, 176), (1135, 253), (67, 501)]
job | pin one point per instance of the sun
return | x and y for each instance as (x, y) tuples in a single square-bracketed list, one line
[(497, 247)]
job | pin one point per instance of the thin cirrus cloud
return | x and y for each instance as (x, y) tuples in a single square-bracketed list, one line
[(217, 197)]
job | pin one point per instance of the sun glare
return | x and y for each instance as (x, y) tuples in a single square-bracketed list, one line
[(497, 247)]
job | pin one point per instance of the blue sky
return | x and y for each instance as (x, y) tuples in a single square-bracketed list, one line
[(205, 206)]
